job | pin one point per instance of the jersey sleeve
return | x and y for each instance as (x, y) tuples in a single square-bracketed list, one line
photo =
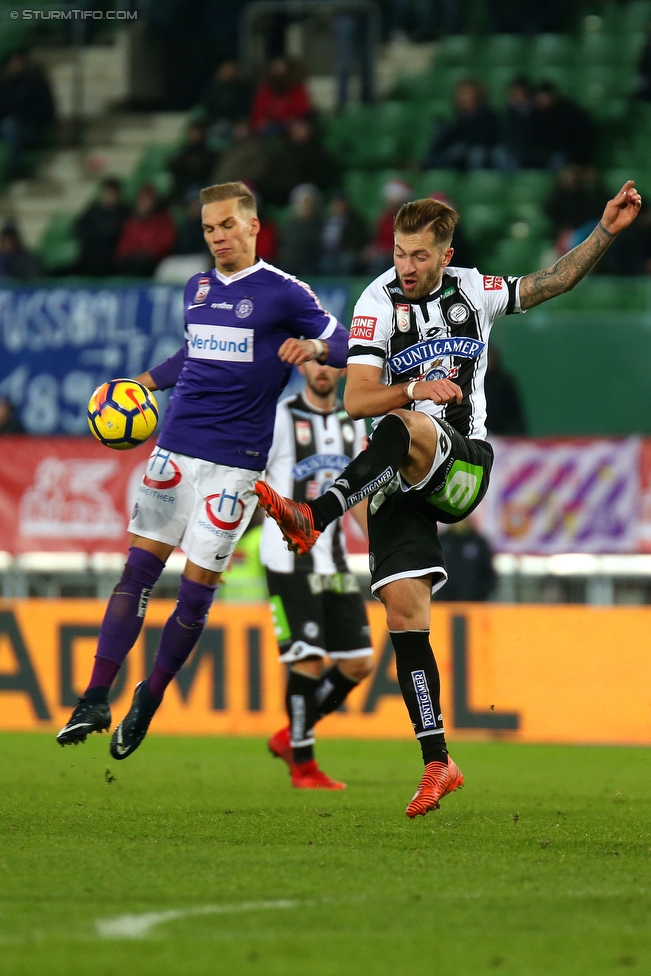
[(499, 295), (370, 329), (307, 319), (166, 374)]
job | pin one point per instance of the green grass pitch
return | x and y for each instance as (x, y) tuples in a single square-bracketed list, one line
[(196, 857)]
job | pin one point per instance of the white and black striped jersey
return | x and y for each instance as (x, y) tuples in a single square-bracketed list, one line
[(444, 335), (310, 449)]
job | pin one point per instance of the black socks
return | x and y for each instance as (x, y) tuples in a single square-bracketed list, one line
[(367, 473), (308, 699), (418, 677)]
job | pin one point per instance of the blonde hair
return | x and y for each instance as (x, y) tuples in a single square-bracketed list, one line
[(230, 191), (429, 214)]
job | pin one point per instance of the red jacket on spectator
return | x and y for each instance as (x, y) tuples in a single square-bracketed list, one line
[(273, 107), (152, 235)]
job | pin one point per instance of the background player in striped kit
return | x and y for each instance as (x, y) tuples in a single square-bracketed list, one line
[(316, 602)]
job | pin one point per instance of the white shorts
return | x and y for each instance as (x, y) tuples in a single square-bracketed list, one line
[(200, 506)]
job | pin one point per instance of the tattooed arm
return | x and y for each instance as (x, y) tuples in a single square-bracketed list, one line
[(568, 270)]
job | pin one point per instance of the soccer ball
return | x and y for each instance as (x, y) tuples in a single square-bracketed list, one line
[(122, 414)]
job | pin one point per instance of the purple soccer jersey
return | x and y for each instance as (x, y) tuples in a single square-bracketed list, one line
[(228, 376)]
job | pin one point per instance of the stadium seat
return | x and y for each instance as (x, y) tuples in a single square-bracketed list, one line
[(530, 185), (483, 220), (615, 178), (456, 50), (515, 257), (445, 181), (551, 49), (598, 47), (504, 50), (483, 186), (497, 78), (59, 247)]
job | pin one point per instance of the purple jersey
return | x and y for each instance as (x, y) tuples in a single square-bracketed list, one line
[(228, 376)]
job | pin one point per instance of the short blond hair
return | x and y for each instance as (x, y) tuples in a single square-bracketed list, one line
[(428, 214), (230, 191)]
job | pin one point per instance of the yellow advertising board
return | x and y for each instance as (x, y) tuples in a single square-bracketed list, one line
[(526, 673)]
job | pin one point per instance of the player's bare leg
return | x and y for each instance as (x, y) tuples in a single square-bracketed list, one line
[(407, 604)]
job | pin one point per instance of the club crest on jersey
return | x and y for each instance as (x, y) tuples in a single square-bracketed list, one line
[(244, 308), (202, 290), (303, 432), (424, 352), (403, 318), (439, 372), (458, 313)]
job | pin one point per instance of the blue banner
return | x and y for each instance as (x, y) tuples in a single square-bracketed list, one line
[(57, 344)]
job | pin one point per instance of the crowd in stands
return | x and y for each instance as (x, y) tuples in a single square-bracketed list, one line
[(270, 136)]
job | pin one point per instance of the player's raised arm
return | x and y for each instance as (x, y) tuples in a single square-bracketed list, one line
[(620, 212), (317, 334)]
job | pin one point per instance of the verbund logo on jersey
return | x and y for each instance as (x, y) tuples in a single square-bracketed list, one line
[(220, 342), (363, 327), (462, 346)]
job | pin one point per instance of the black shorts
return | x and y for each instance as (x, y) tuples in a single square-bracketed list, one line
[(316, 615), (402, 525)]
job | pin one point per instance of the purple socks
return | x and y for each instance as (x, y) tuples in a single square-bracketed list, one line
[(124, 615), (180, 634)]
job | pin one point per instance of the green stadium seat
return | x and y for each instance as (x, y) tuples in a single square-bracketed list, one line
[(456, 50), (598, 47), (615, 178), (484, 186), (506, 50), (481, 220), (515, 257), (561, 75), (635, 16), (418, 123), (530, 185), (531, 216), (445, 181), (59, 248), (549, 49), (497, 79), (365, 189)]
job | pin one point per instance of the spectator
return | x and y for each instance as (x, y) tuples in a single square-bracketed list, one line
[(193, 163), (226, 98), (301, 158), (562, 131), (15, 260), (378, 255), (246, 158), (147, 236), (266, 246), (26, 109), (353, 44), (343, 236), (468, 141), (280, 99), (98, 230), (189, 236), (300, 236), (9, 419), (469, 562), (516, 148), (504, 412), (575, 205)]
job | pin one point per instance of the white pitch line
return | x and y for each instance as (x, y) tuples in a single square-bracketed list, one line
[(140, 926)]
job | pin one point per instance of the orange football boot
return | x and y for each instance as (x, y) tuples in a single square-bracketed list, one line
[(280, 746), (308, 776), (438, 780), (294, 519)]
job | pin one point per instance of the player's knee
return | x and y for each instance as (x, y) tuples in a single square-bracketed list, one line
[(357, 668)]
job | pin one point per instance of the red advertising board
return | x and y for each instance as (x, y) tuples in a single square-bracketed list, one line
[(67, 494)]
